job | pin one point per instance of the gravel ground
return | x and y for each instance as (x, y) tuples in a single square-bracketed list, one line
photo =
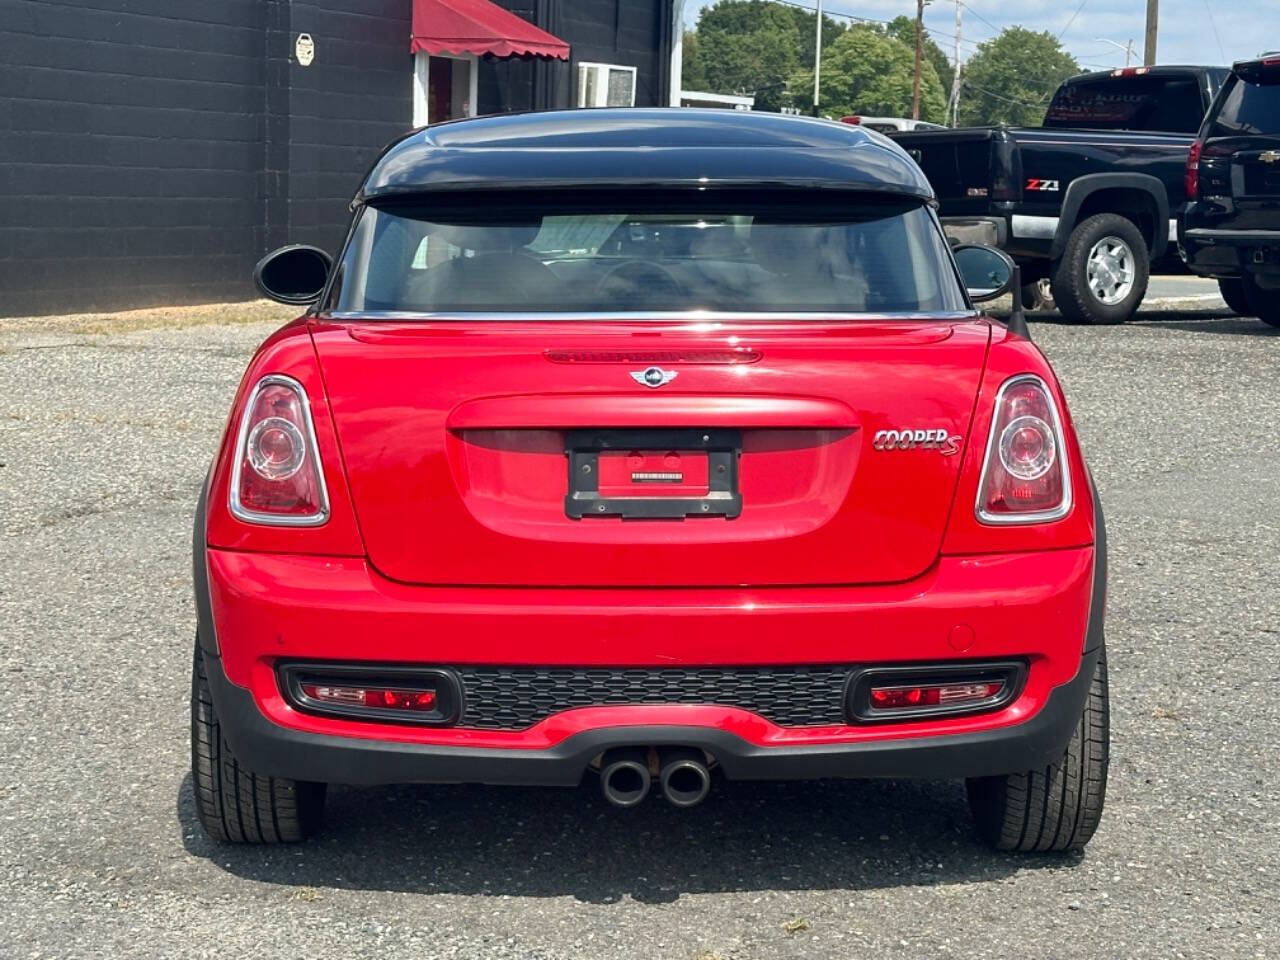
[(103, 443)]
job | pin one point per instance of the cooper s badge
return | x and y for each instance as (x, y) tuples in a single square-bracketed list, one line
[(653, 377), (940, 440)]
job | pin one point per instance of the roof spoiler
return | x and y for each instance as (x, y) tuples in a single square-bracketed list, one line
[(1265, 69)]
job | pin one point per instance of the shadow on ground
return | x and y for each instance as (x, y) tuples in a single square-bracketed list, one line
[(533, 842)]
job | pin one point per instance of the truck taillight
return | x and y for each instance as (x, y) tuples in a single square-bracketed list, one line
[(277, 478), (1025, 476), (1193, 170)]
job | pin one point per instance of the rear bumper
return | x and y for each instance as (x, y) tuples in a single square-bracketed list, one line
[(992, 231), (262, 745), (255, 609), (1223, 252)]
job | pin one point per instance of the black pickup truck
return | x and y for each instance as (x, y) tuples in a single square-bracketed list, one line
[(1090, 200)]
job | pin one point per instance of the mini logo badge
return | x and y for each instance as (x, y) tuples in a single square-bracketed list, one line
[(1270, 156), (940, 440), (653, 377)]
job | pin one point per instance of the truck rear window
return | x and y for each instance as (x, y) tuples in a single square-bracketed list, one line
[(1149, 103), (504, 255), (1247, 108)]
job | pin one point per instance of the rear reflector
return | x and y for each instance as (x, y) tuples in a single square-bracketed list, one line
[(423, 700), (885, 694), (387, 694), (909, 698)]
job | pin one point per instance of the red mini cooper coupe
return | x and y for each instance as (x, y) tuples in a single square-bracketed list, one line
[(640, 445)]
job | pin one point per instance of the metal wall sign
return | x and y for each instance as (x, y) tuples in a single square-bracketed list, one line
[(304, 49)]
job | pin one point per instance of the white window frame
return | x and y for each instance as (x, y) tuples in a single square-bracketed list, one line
[(602, 88), (421, 79)]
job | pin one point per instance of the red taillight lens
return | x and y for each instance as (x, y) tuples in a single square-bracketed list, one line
[(383, 698), (1193, 170), (277, 478), (941, 695), (1024, 477)]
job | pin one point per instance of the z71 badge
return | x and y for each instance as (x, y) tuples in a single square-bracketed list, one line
[(940, 440), (1043, 186)]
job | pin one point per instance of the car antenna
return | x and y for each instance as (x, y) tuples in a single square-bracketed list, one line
[(1017, 322)]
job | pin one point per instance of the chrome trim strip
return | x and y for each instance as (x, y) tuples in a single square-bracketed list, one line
[(1259, 236), (238, 510), (1034, 228), (1041, 516), (639, 316)]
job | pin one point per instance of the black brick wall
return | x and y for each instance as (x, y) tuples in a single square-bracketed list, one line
[(152, 150), (355, 98), (130, 152)]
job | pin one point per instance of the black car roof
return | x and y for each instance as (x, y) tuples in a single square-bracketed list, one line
[(661, 147), (1160, 70)]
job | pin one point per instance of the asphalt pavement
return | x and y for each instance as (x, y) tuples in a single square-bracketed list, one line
[(104, 439)]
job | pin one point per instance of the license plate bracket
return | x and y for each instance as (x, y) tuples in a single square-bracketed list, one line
[(584, 499)]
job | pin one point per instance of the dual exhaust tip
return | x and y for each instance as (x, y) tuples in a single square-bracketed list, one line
[(683, 776)]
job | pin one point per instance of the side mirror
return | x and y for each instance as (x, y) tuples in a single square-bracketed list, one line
[(294, 274), (986, 271)]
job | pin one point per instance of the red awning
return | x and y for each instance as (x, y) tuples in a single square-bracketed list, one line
[(479, 27)]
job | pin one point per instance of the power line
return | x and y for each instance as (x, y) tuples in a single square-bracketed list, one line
[(857, 19), (1213, 23), (999, 96), (1073, 19), (980, 18)]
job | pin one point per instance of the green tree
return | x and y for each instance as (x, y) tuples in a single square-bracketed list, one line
[(1011, 78), (904, 29), (868, 72), (831, 31), (748, 47), (752, 47), (693, 73)]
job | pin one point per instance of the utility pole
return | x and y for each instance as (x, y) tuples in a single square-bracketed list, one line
[(915, 96), (1153, 22), (817, 59), (953, 105)]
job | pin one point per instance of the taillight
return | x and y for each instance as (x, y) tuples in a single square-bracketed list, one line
[(277, 478), (1025, 478), (1193, 170)]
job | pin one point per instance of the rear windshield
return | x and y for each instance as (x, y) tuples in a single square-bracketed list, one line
[(1247, 108), (647, 254), (1165, 104)]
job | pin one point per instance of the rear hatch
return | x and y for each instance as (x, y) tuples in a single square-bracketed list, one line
[(1241, 157), (465, 445)]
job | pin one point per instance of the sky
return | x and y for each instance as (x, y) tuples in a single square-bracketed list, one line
[(1191, 31)]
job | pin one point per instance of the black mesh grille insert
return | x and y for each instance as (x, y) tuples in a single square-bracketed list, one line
[(513, 698)]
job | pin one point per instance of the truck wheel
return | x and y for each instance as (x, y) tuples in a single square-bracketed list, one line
[(234, 805), (1263, 304), (1056, 808), (1103, 274), (1237, 298)]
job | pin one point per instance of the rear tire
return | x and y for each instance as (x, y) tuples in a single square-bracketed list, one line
[(234, 805), (1263, 304), (1237, 298), (1104, 271), (1056, 808)]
